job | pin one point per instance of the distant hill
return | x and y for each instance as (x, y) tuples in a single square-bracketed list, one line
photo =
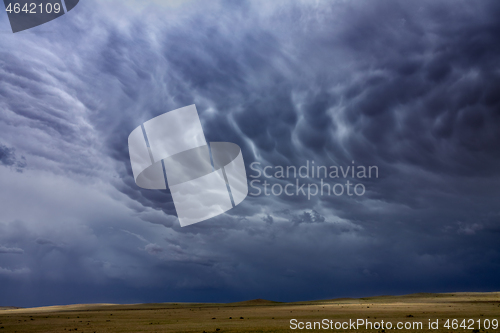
[(458, 297), (258, 301), (9, 307)]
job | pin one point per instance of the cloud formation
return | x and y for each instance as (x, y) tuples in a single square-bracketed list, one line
[(8, 158), (15, 250), (412, 88)]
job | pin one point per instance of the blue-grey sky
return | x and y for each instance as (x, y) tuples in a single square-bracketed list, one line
[(410, 87)]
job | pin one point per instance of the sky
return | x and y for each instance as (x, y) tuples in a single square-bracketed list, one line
[(412, 88)]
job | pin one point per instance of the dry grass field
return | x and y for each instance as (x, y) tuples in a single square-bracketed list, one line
[(259, 315)]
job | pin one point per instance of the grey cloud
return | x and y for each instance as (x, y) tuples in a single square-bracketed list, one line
[(8, 158), (409, 87), (306, 217), (268, 219), (469, 229), (13, 272), (136, 235), (14, 250), (7, 155), (153, 249), (43, 241)]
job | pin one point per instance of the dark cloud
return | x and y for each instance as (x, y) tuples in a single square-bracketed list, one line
[(43, 241), (305, 217), (8, 158), (14, 250), (412, 88)]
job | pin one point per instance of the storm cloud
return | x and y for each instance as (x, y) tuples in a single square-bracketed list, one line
[(412, 88)]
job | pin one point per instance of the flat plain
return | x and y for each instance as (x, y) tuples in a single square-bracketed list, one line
[(264, 316)]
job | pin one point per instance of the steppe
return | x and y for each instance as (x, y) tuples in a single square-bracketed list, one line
[(262, 315)]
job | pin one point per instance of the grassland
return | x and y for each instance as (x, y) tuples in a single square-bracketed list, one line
[(256, 315)]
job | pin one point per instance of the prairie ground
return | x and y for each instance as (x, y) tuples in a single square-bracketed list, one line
[(265, 316)]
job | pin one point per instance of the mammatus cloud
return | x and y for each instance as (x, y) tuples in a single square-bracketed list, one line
[(409, 87), (8, 158)]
